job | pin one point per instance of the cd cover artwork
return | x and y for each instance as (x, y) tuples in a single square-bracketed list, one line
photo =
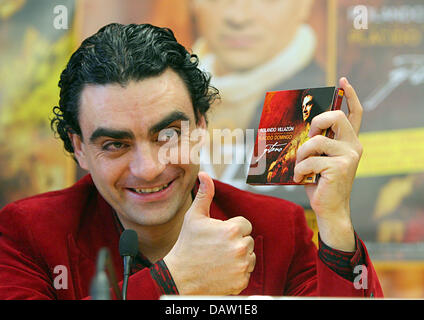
[(283, 128)]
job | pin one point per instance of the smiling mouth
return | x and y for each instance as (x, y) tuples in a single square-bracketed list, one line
[(150, 190)]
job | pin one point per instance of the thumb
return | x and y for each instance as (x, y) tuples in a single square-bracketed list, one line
[(204, 196)]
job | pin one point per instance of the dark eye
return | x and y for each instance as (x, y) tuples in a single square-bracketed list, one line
[(113, 146), (168, 134)]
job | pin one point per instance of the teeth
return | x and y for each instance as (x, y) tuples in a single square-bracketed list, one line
[(151, 190)]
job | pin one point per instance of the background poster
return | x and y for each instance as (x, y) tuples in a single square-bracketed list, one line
[(386, 64), (32, 54)]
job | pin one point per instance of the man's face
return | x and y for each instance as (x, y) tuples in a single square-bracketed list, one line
[(306, 107), (120, 129), (246, 33)]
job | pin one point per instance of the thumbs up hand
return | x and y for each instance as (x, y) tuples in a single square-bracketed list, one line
[(211, 257), (201, 204)]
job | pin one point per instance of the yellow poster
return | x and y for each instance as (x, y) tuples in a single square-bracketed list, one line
[(33, 52)]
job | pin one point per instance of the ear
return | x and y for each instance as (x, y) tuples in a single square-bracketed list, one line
[(79, 149)]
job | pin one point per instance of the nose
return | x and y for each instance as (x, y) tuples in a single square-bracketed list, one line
[(145, 164), (238, 14)]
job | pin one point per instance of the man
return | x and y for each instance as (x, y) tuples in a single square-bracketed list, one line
[(307, 104), (125, 94)]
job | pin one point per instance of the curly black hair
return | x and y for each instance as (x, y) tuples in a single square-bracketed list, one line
[(118, 54)]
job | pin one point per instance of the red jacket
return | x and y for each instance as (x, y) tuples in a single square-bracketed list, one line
[(67, 228)]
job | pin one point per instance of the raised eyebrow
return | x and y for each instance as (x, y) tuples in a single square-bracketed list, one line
[(165, 122), (110, 133)]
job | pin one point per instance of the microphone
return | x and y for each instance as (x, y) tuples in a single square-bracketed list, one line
[(128, 249), (105, 275)]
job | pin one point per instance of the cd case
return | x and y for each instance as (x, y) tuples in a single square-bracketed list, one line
[(284, 126)]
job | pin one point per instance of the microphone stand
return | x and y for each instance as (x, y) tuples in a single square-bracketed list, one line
[(128, 248), (127, 268)]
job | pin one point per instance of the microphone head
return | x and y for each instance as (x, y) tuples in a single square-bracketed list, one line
[(128, 243)]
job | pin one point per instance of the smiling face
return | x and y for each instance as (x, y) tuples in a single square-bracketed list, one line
[(120, 128), (246, 33)]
